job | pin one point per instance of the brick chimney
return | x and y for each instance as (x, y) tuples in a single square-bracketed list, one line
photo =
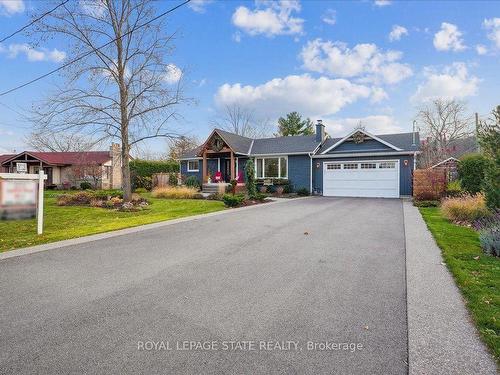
[(320, 131)]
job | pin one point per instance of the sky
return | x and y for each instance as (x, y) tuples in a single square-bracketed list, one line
[(345, 62)]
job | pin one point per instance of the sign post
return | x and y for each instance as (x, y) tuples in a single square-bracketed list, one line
[(19, 197)]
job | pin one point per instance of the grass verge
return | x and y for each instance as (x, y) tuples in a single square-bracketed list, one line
[(64, 222), (476, 274)]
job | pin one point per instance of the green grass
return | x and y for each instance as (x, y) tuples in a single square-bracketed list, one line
[(478, 279), (62, 223)]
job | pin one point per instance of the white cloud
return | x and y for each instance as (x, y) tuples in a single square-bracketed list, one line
[(303, 93), (397, 32), (375, 124), (199, 6), (93, 8), (10, 7), (269, 18), (382, 3), (365, 61), (6, 132), (449, 38), (378, 94), (493, 27), (481, 49), (329, 17), (453, 82), (41, 54), (173, 74), (237, 37)]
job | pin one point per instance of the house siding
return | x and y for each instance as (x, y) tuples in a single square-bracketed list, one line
[(299, 169), (367, 145), (405, 172), (186, 174)]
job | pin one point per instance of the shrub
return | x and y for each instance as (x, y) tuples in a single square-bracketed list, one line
[(192, 182), (489, 233), (426, 203), (279, 190), (77, 199), (233, 183), (429, 184), (140, 167), (303, 192), (144, 182), (140, 191), (178, 192), (250, 178), (471, 172), (107, 194), (453, 189), (260, 197), (85, 185), (215, 197), (491, 183), (233, 200), (465, 209), (172, 179), (263, 189)]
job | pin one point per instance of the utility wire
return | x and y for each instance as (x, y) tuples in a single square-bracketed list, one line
[(32, 22), (92, 51)]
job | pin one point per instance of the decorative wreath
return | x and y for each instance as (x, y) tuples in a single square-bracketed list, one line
[(217, 144), (358, 137)]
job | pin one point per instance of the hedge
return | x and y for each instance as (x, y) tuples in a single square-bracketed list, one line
[(149, 167), (471, 172)]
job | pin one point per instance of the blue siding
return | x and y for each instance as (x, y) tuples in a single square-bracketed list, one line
[(368, 145), (185, 173), (299, 167), (405, 172)]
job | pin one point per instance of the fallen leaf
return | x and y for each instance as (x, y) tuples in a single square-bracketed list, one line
[(476, 258), (306, 233)]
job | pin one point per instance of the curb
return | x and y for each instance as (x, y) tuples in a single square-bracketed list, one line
[(120, 232)]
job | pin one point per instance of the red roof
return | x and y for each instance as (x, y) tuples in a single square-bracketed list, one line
[(65, 158)]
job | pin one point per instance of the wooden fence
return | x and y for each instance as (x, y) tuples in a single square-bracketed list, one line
[(429, 184), (163, 179)]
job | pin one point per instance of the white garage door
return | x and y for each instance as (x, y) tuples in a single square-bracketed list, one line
[(361, 179)]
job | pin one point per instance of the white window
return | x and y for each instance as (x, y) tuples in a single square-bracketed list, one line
[(333, 166), (193, 166), (350, 165), (387, 165), (368, 165), (272, 167)]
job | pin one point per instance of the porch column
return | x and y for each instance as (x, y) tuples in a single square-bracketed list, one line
[(233, 176), (205, 167)]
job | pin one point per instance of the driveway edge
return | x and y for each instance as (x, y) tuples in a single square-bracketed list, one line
[(120, 232), (442, 339)]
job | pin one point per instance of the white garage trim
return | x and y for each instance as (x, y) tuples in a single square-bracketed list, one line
[(384, 192)]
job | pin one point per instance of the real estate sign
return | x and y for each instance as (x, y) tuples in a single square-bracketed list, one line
[(18, 199)]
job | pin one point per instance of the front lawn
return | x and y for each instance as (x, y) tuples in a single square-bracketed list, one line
[(476, 274), (66, 222)]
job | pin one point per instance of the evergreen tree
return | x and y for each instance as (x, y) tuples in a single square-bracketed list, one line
[(293, 124), (250, 178)]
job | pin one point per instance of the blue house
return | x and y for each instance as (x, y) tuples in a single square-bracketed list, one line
[(358, 165)]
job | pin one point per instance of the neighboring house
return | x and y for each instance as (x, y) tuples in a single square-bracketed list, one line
[(64, 169), (358, 165), (451, 156)]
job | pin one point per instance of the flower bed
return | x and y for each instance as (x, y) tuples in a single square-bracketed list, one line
[(112, 199)]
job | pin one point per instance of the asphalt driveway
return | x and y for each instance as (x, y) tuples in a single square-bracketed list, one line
[(274, 278)]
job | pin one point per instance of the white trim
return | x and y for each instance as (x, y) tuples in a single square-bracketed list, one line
[(310, 174), (280, 153), (218, 164), (398, 167), (250, 148), (193, 170), (195, 158), (444, 161), (364, 154), (364, 132), (264, 166)]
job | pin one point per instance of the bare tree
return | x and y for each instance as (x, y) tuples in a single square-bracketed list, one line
[(125, 90), (242, 121), (64, 142), (442, 122), (177, 147)]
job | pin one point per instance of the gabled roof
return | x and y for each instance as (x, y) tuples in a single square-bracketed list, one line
[(342, 140), (285, 145), (402, 141), (444, 161), (63, 158), (238, 143)]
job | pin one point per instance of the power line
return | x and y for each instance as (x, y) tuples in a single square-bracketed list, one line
[(92, 51), (32, 22)]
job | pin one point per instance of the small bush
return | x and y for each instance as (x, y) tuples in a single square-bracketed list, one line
[(263, 189), (279, 190), (454, 189), (465, 209), (107, 194), (178, 192), (85, 185), (172, 179), (471, 172), (192, 182), (233, 200), (303, 192), (78, 199), (489, 233), (426, 203), (260, 197), (140, 191), (215, 197), (144, 182)]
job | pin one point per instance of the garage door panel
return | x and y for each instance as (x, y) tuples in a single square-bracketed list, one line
[(369, 182)]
